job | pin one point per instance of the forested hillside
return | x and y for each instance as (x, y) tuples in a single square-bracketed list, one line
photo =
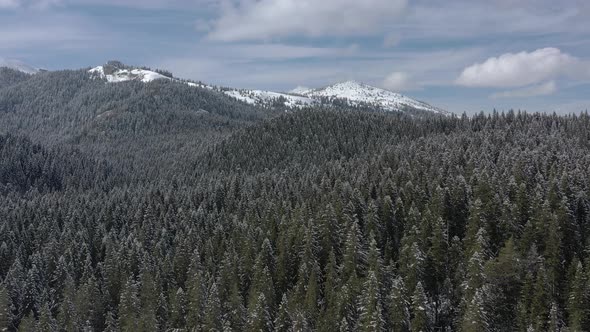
[(143, 127), (156, 207)]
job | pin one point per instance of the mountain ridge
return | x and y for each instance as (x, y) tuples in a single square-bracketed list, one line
[(352, 93), (19, 66)]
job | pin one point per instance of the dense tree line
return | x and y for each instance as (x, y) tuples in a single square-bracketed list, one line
[(312, 220), (10, 77)]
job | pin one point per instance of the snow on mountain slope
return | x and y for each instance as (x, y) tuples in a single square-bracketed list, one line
[(116, 75), (18, 65), (359, 93), (300, 90), (268, 98), (354, 93)]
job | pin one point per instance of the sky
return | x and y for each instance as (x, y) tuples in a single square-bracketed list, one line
[(461, 55)]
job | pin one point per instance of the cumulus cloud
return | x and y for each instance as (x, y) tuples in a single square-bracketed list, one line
[(398, 81), (520, 69), (544, 89), (267, 19)]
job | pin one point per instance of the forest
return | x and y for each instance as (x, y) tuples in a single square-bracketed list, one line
[(163, 207)]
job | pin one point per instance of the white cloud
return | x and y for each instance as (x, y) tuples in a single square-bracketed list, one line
[(31, 4), (520, 69), (398, 81), (8, 4), (532, 91), (267, 19)]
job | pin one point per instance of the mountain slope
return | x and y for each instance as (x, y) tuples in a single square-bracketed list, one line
[(18, 65), (350, 93), (131, 123), (360, 93), (115, 72), (9, 76)]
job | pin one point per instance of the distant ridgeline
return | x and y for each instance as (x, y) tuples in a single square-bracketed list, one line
[(158, 205)]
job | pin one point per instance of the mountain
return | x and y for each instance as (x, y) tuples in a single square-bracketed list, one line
[(350, 93), (271, 99), (360, 93), (116, 72), (18, 65), (129, 123), (299, 90)]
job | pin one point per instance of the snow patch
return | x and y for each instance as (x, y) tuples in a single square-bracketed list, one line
[(360, 93), (124, 75), (268, 98), (354, 93), (300, 90)]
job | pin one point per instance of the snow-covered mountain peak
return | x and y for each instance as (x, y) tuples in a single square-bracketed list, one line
[(360, 93), (115, 72), (352, 92), (18, 65), (300, 90)]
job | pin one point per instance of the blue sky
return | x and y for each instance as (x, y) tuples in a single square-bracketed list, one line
[(462, 55)]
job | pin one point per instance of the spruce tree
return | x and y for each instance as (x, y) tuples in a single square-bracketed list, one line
[(420, 310), (577, 304), (129, 307), (475, 318), (399, 307), (371, 308), (5, 314)]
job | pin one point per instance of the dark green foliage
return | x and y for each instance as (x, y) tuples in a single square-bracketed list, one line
[(132, 212)]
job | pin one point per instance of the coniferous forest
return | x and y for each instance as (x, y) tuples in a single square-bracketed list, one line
[(163, 207)]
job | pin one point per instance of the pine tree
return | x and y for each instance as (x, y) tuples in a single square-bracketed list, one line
[(196, 301), (5, 315), (412, 262), (553, 255), (399, 307), (523, 306), (437, 255), (311, 298), (129, 307), (67, 316), (178, 309), (354, 255), (577, 301), (111, 323), (540, 308), (475, 277), (371, 309), (475, 318), (555, 321), (374, 260), (420, 310), (282, 322), (330, 315), (46, 321), (213, 310), (259, 318), (503, 278), (149, 296), (28, 324)]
